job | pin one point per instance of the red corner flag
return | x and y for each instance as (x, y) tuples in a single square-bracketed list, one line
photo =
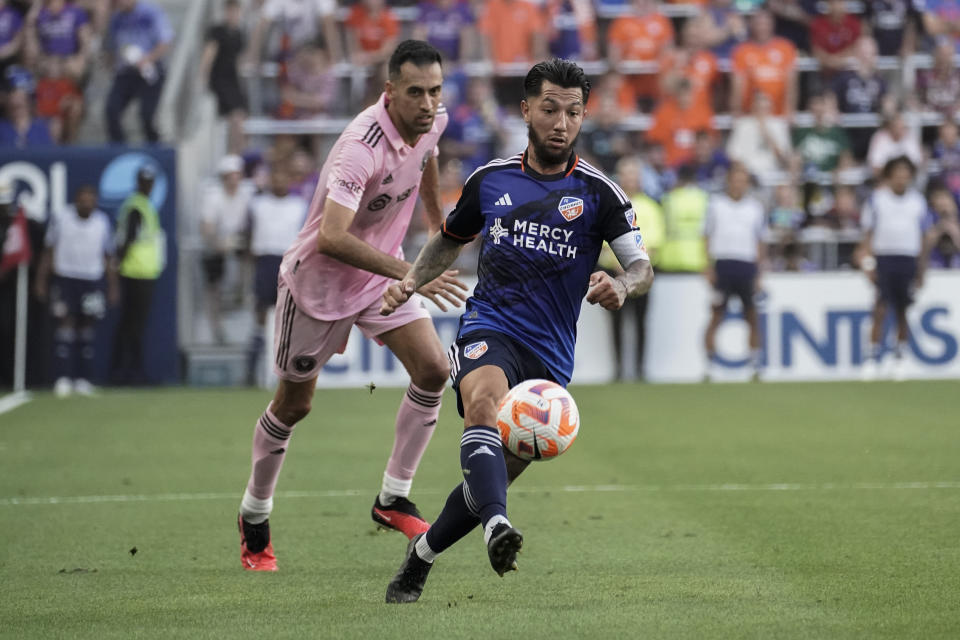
[(16, 246)]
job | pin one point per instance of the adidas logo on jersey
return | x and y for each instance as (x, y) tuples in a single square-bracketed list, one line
[(504, 200)]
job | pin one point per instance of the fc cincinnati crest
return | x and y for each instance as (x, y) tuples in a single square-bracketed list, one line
[(475, 350), (570, 207)]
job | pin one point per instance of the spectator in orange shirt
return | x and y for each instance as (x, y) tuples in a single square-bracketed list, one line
[(765, 63), (833, 36), (372, 32), (512, 31), (613, 84), (692, 61), (677, 121), (60, 100), (643, 35)]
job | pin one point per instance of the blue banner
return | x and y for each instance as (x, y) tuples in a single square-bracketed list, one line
[(46, 179)]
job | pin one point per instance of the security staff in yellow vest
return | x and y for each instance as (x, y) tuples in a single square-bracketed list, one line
[(684, 212), (141, 251), (648, 218)]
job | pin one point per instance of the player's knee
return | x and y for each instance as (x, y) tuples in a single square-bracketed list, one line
[(433, 375), (290, 412)]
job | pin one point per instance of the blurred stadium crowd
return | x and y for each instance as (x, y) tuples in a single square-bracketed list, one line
[(814, 97)]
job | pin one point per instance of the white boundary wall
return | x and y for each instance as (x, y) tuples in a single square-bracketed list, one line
[(817, 328)]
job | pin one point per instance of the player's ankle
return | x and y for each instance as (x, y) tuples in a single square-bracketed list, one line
[(255, 510), (491, 525)]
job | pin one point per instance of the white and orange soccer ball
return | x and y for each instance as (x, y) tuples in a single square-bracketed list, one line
[(538, 420)]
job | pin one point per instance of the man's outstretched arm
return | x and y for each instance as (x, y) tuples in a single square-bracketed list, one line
[(610, 293), (434, 259)]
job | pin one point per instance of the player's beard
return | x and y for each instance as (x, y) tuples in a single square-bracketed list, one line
[(547, 156)]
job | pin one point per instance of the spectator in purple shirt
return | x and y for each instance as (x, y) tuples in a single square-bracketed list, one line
[(138, 39), (946, 151), (59, 29), (939, 87), (894, 25), (572, 29), (449, 26), (475, 129), (942, 236), (11, 35), (941, 19), (19, 128)]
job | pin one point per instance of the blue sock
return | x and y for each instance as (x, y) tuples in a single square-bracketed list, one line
[(64, 339), (484, 472), (455, 521)]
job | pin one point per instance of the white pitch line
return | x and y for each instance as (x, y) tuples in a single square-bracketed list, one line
[(599, 488), (11, 401)]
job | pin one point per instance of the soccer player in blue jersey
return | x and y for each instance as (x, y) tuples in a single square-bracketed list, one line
[(542, 217)]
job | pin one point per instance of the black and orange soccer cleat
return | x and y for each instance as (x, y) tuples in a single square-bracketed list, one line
[(256, 549), (400, 515)]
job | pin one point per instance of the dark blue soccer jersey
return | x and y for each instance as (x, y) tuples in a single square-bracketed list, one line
[(541, 236)]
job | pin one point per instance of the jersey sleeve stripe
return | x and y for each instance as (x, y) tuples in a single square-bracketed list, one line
[(369, 133), (496, 163), (373, 135), (455, 236)]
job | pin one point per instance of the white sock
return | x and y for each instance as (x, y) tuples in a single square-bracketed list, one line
[(255, 510), (424, 551), (491, 523), (393, 488)]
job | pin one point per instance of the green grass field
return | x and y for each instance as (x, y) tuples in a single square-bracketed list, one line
[(723, 511)]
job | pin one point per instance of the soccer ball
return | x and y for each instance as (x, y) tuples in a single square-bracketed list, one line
[(538, 420)]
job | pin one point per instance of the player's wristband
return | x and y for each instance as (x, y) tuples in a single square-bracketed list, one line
[(868, 263)]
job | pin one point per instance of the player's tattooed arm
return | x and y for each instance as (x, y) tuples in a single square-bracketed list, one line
[(610, 293), (637, 278), (429, 276)]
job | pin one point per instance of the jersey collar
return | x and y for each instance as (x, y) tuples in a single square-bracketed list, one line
[(389, 129), (571, 165)]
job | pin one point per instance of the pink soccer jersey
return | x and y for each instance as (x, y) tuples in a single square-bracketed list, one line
[(374, 172)]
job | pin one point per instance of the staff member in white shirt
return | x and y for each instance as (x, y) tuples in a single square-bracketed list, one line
[(273, 222), (893, 252), (223, 212), (733, 230), (79, 253)]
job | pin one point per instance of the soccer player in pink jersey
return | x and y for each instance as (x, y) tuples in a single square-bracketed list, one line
[(333, 277)]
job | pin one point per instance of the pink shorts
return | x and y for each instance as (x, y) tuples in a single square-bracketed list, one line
[(302, 344)]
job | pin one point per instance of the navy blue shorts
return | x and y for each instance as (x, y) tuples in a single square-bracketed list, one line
[(895, 275), (734, 278), (265, 280), (76, 298), (480, 348)]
